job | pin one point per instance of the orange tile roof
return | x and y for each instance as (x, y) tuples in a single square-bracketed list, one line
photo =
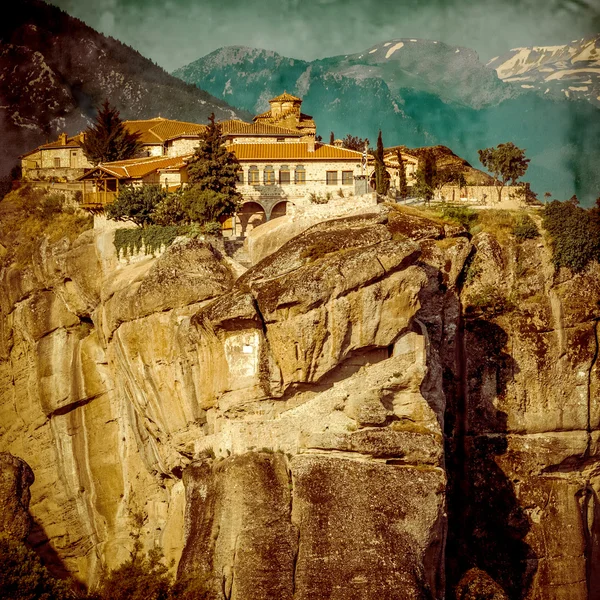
[(242, 128), (136, 168), (285, 97), (72, 142), (292, 152), (159, 130)]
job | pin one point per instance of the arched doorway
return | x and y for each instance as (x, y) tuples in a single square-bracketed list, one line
[(279, 210), (251, 215), (373, 179)]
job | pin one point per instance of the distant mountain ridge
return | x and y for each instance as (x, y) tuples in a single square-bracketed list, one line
[(55, 71), (571, 70), (420, 93)]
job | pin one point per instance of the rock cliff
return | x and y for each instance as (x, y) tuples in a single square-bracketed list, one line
[(384, 407)]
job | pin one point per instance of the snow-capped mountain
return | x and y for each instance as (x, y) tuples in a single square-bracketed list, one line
[(569, 70)]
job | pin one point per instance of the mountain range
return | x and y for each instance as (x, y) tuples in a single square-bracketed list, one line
[(422, 92), (568, 70), (55, 71)]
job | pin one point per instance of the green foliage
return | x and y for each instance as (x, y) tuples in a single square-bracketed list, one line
[(206, 205), (24, 577), (506, 163), (154, 237), (574, 234), (461, 214), (426, 176), (382, 177), (213, 167), (142, 577), (403, 186), (29, 215), (331, 138), (352, 142), (136, 204), (170, 211), (316, 198), (488, 301), (108, 139), (525, 228)]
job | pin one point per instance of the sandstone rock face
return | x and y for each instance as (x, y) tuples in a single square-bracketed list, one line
[(381, 408), (15, 479)]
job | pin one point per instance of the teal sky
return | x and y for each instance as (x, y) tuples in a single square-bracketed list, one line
[(176, 32)]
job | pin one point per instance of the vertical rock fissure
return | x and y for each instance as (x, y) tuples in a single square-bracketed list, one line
[(589, 387)]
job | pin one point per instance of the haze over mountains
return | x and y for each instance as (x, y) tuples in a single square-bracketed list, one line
[(422, 92), (55, 71)]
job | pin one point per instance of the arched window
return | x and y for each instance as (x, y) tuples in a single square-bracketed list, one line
[(300, 175), (284, 175), (269, 175), (253, 177)]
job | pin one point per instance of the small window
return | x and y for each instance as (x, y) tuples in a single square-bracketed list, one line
[(57, 162), (347, 177), (269, 175), (240, 177), (331, 177), (279, 139), (253, 177), (284, 175), (300, 175)]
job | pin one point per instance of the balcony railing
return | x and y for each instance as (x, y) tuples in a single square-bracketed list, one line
[(98, 198)]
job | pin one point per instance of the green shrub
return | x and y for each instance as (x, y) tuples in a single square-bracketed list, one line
[(205, 206), (142, 577), (489, 301), (525, 229), (574, 235), (29, 215), (461, 214), (24, 577), (136, 204)]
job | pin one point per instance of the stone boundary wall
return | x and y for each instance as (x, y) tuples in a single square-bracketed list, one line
[(483, 195)]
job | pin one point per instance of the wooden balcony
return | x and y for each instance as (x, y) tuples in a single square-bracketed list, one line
[(97, 199)]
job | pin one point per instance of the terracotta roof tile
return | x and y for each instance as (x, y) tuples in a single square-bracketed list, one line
[(242, 128), (136, 168), (285, 97), (158, 130), (299, 151)]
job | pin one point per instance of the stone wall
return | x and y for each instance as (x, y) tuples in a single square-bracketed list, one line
[(484, 196)]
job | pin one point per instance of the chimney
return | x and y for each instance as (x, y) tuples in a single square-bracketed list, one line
[(310, 143), (81, 137), (338, 143), (62, 138)]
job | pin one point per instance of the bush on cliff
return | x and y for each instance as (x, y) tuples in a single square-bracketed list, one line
[(574, 234), (29, 215), (24, 577)]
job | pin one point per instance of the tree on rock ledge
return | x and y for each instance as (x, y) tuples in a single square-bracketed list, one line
[(506, 163), (212, 173), (108, 139)]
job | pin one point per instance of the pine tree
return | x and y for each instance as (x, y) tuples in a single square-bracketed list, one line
[(403, 186), (212, 171), (382, 178), (108, 139)]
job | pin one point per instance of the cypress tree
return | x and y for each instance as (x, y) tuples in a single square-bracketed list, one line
[(108, 139), (403, 185), (382, 180), (331, 138)]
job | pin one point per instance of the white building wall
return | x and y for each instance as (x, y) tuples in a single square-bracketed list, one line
[(316, 180)]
